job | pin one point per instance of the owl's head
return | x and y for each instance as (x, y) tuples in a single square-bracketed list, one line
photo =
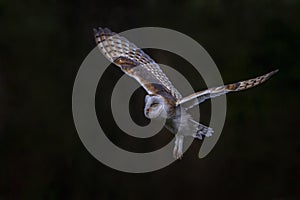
[(155, 106)]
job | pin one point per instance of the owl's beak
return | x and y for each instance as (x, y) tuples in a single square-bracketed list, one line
[(147, 112)]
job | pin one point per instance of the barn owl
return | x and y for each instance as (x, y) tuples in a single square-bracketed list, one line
[(163, 99)]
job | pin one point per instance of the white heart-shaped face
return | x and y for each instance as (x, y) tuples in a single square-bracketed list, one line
[(154, 106)]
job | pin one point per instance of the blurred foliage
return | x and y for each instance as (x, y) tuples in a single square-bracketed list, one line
[(42, 46)]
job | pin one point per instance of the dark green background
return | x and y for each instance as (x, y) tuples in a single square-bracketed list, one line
[(42, 46)]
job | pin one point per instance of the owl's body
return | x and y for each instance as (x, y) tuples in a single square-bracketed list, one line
[(163, 99)]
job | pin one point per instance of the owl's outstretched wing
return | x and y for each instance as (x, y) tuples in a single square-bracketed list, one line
[(134, 62), (201, 96)]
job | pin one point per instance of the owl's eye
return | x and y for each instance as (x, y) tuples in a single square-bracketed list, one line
[(154, 104)]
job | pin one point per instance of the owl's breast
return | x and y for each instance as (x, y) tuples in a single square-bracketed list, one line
[(179, 122)]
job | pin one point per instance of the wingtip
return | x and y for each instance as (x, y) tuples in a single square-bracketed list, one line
[(97, 31), (274, 72), (106, 31)]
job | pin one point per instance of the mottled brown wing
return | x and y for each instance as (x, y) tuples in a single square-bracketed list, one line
[(201, 96), (134, 62)]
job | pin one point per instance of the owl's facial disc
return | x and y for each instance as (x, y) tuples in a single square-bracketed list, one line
[(154, 106)]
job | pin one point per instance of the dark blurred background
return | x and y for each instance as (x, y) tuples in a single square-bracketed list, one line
[(42, 46)]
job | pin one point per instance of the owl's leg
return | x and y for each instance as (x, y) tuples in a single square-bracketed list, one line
[(177, 151)]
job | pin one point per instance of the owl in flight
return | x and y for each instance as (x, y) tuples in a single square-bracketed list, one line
[(163, 99)]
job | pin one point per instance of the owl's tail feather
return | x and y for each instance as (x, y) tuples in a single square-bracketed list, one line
[(201, 96), (200, 130)]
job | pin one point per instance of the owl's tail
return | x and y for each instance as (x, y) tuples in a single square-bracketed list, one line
[(199, 130), (201, 96)]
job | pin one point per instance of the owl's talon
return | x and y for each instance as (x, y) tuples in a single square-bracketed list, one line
[(177, 151)]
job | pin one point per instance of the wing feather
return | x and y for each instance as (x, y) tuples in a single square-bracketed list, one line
[(134, 62), (201, 96)]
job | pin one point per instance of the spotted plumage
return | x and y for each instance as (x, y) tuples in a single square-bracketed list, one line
[(163, 99), (201, 96), (124, 53)]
